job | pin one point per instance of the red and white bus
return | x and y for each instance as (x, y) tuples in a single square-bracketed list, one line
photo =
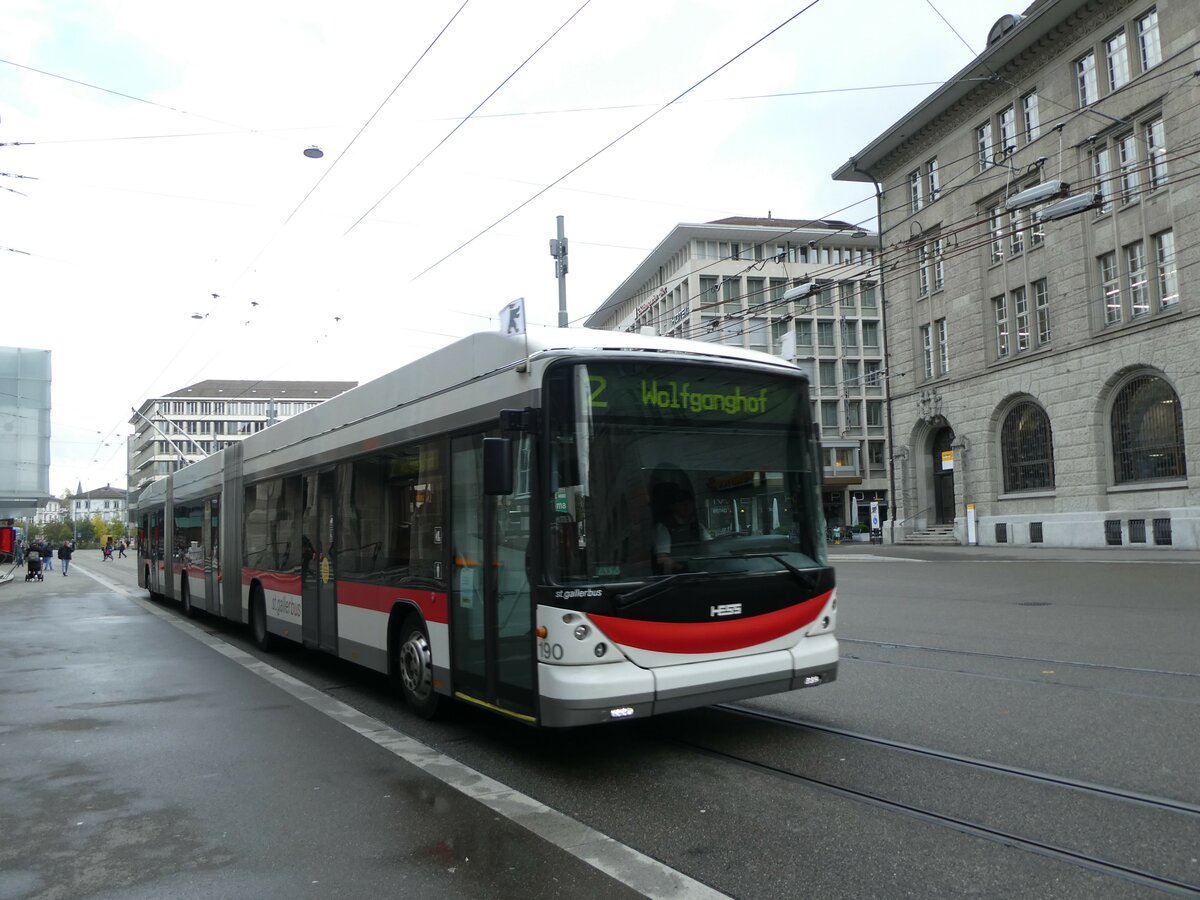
[(567, 527)]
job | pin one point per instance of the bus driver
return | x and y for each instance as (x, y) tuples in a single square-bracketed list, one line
[(676, 528)]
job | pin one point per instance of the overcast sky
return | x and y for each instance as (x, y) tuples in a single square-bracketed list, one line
[(161, 147)]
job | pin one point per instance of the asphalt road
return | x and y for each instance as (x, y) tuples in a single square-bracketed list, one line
[(1004, 724)]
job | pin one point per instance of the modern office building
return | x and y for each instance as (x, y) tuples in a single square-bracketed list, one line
[(804, 290), (1039, 220), (25, 437), (188, 424)]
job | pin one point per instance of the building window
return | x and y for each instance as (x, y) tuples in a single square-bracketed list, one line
[(1168, 282), (873, 375), (779, 330), (914, 191), (1127, 158), (1008, 131), (1156, 153), (1041, 303), (1027, 449), (1147, 432), (1116, 58), (1147, 29), (870, 335), (1016, 239), (1110, 288), (997, 230), (1085, 79), (983, 143), (866, 295), (1139, 287), (854, 415), (943, 346), (1029, 105), (874, 416), (933, 182), (851, 381), (803, 335), (827, 371), (829, 414), (927, 348), (1000, 313), (1100, 173), (825, 336), (1021, 310)]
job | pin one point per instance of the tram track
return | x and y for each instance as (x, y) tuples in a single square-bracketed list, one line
[(1136, 838)]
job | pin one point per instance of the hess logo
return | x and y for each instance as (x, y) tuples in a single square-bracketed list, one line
[(725, 609)]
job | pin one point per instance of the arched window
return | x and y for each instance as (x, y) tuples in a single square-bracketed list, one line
[(1027, 449), (1147, 432)]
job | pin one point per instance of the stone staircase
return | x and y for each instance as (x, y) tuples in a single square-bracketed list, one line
[(936, 535)]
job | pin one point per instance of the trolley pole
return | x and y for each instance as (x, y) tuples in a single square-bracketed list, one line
[(558, 249)]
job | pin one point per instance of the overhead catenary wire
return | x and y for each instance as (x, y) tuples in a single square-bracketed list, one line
[(616, 140)]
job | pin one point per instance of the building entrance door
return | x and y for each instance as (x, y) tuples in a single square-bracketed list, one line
[(943, 477)]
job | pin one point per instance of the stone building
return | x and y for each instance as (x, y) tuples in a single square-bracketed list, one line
[(799, 289), (1037, 216)]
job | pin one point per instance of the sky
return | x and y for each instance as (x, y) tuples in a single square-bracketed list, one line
[(160, 223)]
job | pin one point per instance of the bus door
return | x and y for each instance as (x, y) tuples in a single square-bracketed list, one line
[(492, 646), (212, 570), (317, 563)]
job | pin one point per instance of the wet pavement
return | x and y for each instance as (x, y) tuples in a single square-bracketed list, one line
[(139, 761)]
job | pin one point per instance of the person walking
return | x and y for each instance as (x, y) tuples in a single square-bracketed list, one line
[(64, 556), (121, 549)]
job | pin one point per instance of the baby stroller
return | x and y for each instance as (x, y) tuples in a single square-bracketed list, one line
[(34, 570)]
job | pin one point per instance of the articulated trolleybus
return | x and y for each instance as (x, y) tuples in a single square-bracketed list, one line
[(566, 527)]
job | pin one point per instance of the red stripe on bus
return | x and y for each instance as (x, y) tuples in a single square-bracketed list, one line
[(381, 598), (711, 637), (273, 581)]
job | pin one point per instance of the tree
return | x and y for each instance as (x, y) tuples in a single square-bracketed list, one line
[(99, 527)]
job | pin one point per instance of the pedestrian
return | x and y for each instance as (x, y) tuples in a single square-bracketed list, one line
[(64, 556), (121, 549)]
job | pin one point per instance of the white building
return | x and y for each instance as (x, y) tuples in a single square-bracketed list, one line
[(726, 281), (108, 502), (188, 424)]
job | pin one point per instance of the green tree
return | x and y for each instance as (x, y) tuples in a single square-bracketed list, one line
[(86, 531)]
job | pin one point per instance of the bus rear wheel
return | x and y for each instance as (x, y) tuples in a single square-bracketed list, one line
[(412, 668), (263, 639), (185, 600)]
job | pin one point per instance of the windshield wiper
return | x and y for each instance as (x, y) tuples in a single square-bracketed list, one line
[(657, 587), (809, 578)]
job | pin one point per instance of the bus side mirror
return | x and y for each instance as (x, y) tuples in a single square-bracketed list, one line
[(497, 466)]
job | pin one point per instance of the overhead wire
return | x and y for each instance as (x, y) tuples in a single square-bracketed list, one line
[(616, 140), (468, 116)]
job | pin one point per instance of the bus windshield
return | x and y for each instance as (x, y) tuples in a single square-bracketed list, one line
[(658, 468)]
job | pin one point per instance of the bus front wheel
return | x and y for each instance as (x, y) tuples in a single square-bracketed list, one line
[(412, 668)]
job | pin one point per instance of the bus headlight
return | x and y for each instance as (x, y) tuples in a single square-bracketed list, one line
[(601, 649), (581, 632)]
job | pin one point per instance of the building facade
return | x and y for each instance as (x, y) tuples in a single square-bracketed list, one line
[(802, 290), (192, 422), (25, 438), (1038, 217), (108, 502)]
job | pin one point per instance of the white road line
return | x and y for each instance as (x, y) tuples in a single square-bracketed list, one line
[(621, 863)]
